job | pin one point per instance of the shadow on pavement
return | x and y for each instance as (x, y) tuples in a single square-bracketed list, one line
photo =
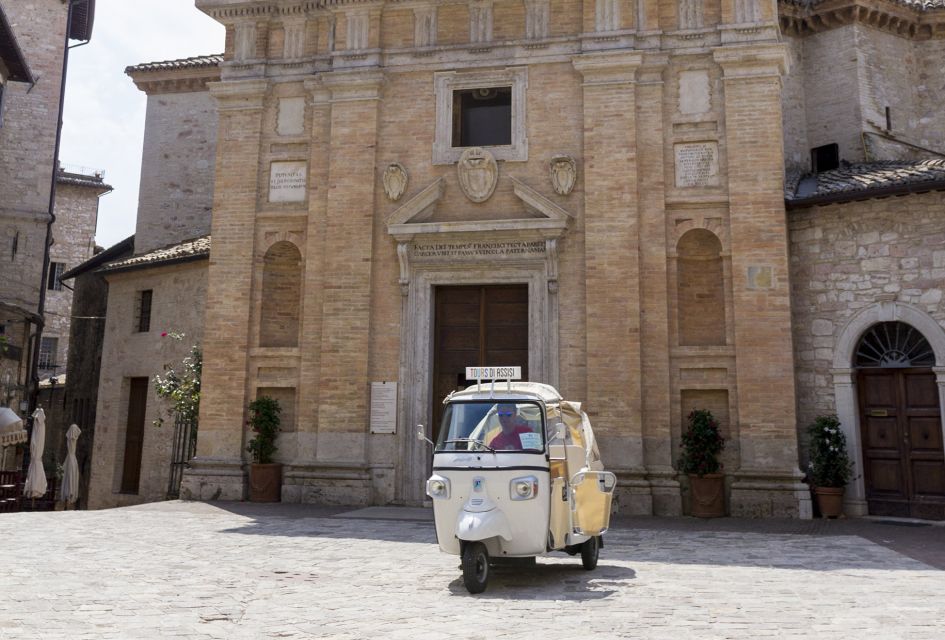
[(543, 582)]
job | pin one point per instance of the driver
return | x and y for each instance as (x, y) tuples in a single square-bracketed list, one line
[(513, 425)]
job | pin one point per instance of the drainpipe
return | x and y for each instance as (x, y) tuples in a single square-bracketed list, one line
[(33, 372)]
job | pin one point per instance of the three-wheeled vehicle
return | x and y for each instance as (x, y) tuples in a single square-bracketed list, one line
[(516, 474)]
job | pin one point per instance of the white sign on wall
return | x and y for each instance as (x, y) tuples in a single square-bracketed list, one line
[(287, 181), (383, 407)]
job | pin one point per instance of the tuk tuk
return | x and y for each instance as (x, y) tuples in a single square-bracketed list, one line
[(516, 474)]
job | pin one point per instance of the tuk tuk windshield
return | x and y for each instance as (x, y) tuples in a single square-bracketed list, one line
[(492, 425)]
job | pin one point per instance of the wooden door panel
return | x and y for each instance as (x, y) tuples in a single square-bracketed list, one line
[(134, 435), (879, 389), (925, 434), (921, 391), (882, 435), (886, 477), (928, 478)]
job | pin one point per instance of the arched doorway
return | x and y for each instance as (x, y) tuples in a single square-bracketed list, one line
[(900, 422)]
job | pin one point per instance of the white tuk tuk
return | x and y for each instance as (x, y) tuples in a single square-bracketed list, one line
[(516, 474)]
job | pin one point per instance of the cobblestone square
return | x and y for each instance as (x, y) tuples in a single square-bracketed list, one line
[(197, 570)]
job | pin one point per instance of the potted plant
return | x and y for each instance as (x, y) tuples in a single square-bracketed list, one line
[(265, 476), (830, 466), (701, 445)]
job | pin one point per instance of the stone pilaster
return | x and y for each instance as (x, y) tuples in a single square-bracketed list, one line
[(654, 329), (216, 472), (768, 481), (612, 229), (347, 263)]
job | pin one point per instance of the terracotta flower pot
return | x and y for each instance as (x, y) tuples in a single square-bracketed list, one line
[(829, 501), (265, 482), (708, 495)]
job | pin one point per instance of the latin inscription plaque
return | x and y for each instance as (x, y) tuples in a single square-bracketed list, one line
[(510, 249), (697, 164), (287, 181), (383, 407)]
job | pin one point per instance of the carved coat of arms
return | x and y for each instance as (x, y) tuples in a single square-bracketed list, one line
[(478, 173), (563, 174), (395, 181)]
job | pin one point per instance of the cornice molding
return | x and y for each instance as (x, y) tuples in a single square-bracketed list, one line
[(886, 15)]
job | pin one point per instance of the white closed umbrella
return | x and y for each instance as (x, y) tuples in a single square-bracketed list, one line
[(35, 486), (70, 476)]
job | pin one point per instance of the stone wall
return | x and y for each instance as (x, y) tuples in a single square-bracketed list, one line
[(848, 257), (176, 191), (73, 243), (179, 297)]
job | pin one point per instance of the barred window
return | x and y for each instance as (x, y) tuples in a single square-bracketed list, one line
[(143, 311), (48, 348)]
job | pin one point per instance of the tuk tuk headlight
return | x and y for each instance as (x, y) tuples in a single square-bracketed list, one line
[(438, 487), (523, 488)]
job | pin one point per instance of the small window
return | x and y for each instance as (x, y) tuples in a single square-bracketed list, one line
[(482, 117), (143, 311), (825, 158), (53, 281), (48, 348)]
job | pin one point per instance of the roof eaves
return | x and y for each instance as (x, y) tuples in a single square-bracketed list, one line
[(112, 253), (153, 264), (11, 54), (865, 194)]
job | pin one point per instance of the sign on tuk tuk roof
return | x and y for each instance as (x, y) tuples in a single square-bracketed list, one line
[(502, 389)]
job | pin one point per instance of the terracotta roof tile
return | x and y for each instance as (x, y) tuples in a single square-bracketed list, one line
[(864, 180), (193, 249), (195, 62)]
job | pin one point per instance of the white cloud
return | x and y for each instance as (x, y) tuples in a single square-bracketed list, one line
[(103, 124)]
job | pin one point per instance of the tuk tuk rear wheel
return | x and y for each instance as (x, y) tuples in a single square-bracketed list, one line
[(475, 567), (590, 551)]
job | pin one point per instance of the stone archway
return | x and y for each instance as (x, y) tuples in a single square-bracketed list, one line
[(844, 379)]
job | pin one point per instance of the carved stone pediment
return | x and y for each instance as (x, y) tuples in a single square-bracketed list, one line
[(412, 218)]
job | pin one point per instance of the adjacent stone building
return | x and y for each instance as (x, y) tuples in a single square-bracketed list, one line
[(33, 39)]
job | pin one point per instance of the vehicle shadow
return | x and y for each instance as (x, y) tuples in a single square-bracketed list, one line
[(544, 581)]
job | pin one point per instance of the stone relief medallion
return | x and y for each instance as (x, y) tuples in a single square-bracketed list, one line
[(478, 173), (563, 174), (395, 181)]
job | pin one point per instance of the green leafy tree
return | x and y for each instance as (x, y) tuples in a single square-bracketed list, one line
[(264, 421), (830, 464), (181, 384), (701, 444)]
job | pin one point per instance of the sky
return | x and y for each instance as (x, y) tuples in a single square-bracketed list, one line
[(103, 123)]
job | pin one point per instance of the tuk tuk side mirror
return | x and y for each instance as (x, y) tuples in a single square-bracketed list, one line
[(422, 434), (560, 434)]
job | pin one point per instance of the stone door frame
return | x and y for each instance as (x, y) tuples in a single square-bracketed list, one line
[(844, 381), (416, 353)]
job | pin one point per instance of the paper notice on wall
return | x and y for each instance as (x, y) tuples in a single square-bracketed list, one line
[(383, 407)]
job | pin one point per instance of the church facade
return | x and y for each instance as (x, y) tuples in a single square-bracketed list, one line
[(606, 193)]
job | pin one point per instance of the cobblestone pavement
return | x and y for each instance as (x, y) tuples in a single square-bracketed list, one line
[(215, 571)]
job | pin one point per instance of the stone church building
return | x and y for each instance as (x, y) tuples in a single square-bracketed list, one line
[(654, 205)]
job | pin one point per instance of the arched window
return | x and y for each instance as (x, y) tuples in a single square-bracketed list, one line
[(700, 294), (281, 296), (893, 345)]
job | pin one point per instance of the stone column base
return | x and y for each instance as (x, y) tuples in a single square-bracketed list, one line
[(666, 491), (769, 494), (328, 484), (633, 495), (214, 479)]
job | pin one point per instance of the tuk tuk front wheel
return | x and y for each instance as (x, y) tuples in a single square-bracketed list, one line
[(475, 567), (590, 551)]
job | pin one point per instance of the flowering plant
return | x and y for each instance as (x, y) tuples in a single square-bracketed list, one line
[(264, 421), (701, 444), (181, 383), (829, 465)]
